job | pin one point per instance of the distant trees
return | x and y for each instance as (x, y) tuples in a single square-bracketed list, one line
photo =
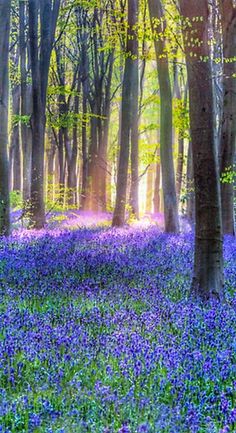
[(166, 118), (128, 121), (4, 95), (208, 258), (25, 104), (41, 45)]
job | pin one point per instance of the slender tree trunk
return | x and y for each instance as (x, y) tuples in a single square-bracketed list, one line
[(180, 168), (126, 119), (190, 210), (51, 153), (228, 130), (25, 109), (61, 160), (40, 54), (134, 187), (15, 140), (166, 151), (157, 185), (208, 258), (4, 94), (180, 159), (37, 124), (92, 194), (84, 171), (149, 189), (103, 145), (72, 164)]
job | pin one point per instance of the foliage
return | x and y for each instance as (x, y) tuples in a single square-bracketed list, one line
[(16, 200), (229, 175)]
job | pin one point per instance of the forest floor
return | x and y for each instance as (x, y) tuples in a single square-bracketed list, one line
[(97, 333)]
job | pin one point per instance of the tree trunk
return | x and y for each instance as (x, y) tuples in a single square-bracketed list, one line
[(25, 109), (134, 187), (51, 153), (4, 94), (40, 54), (72, 164), (183, 102), (61, 160), (126, 118), (166, 151), (103, 145), (208, 258), (15, 140), (190, 209), (84, 171), (149, 189), (93, 174), (157, 197), (228, 130)]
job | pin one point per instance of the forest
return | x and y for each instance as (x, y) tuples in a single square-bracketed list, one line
[(117, 216)]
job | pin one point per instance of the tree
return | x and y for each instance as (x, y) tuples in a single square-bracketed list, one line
[(166, 123), (208, 256), (228, 129), (41, 44), (101, 72), (4, 95), (126, 115), (134, 138), (25, 106)]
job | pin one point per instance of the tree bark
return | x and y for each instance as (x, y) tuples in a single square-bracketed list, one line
[(126, 119), (166, 127), (25, 109), (208, 255), (4, 95), (149, 189), (15, 140), (180, 159), (51, 153), (157, 185), (228, 130), (103, 144), (40, 54), (134, 187), (190, 209), (72, 163), (84, 171)]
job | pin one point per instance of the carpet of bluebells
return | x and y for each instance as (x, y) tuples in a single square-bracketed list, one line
[(97, 334)]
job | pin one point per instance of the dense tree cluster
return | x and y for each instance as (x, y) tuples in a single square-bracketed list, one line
[(123, 106)]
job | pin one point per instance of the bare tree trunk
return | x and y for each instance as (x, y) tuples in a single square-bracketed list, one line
[(15, 140), (4, 94), (103, 145), (166, 151), (126, 119), (93, 175), (134, 187), (228, 130), (84, 171), (41, 44), (51, 153), (149, 189), (208, 258), (72, 163), (157, 196), (25, 109), (190, 210), (180, 160)]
